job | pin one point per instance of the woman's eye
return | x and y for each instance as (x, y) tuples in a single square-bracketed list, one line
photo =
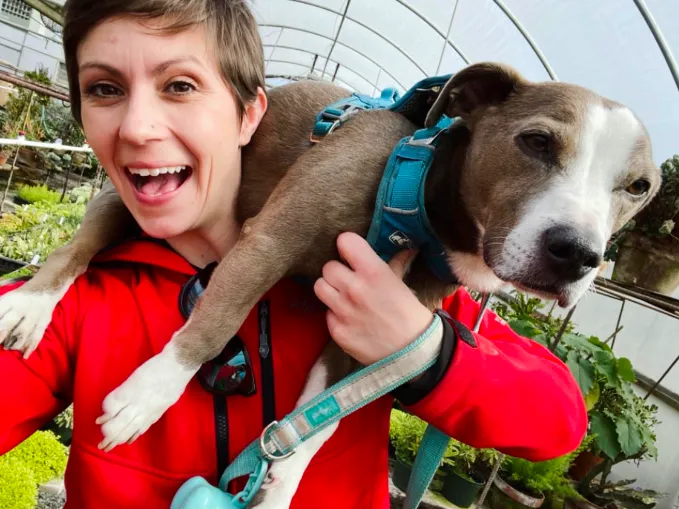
[(103, 90), (638, 187), (180, 87)]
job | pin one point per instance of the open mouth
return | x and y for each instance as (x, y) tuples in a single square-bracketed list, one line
[(158, 181)]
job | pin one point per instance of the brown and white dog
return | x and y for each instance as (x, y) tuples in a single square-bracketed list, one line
[(526, 191)]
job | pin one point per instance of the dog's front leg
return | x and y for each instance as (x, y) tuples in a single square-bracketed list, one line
[(284, 476), (254, 264), (26, 312)]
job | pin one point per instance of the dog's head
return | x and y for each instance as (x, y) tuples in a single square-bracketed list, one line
[(552, 170)]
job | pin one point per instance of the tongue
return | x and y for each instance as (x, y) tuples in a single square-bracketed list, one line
[(162, 184)]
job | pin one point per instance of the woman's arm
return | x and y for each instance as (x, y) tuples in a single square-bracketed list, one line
[(492, 389), (497, 389), (33, 391)]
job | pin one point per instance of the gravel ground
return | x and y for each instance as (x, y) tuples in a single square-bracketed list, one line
[(50, 501)]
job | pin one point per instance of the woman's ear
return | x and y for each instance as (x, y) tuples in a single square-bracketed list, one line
[(252, 116)]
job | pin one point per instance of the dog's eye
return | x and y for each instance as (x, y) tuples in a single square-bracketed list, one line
[(638, 187), (539, 145)]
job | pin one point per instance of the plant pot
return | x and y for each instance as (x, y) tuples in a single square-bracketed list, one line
[(649, 263), (3, 158), (507, 497), (583, 465), (580, 504), (400, 475), (461, 490)]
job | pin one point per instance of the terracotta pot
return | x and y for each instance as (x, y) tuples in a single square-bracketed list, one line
[(3, 158), (519, 498), (652, 264), (583, 465)]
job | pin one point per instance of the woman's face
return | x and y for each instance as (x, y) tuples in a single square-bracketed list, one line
[(163, 123)]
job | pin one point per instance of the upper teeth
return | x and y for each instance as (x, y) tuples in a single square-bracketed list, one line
[(154, 172)]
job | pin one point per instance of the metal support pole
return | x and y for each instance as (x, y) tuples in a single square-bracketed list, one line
[(667, 372), (9, 180), (617, 325), (445, 42), (334, 42), (559, 335)]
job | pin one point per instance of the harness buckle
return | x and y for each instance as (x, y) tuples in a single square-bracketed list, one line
[(272, 457)]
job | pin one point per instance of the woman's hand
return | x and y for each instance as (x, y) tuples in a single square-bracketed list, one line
[(372, 313)]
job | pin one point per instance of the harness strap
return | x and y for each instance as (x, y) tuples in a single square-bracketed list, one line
[(333, 116), (400, 218), (280, 439)]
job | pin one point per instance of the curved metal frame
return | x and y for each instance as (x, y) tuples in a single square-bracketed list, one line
[(326, 58), (528, 38), (317, 34), (659, 39), (371, 30), (290, 62)]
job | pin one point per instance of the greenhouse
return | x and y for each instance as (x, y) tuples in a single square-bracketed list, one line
[(620, 341)]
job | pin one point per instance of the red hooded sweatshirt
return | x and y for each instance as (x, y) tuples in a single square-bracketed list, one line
[(499, 390)]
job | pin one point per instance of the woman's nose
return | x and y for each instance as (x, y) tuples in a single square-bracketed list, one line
[(142, 121)]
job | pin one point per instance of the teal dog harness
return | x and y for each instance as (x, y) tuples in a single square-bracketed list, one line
[(400, 218)]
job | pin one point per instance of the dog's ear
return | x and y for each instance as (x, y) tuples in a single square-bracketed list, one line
[(474, 87)]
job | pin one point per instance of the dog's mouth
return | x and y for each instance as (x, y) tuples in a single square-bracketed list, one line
[(158, 181)]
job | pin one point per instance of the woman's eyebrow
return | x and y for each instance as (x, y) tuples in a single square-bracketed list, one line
[(158, 69)]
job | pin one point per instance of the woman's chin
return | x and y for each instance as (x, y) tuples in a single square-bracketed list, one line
[(163, 228)]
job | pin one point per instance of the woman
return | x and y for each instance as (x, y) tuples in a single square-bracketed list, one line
[(168, 92)]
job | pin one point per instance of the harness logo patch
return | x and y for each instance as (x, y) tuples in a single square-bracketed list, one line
[(400, 239), (326, 409)]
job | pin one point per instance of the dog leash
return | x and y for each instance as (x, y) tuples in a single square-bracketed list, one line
[(433, 446), (280, 439)]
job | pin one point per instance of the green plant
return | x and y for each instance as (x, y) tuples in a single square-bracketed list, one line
[(24, 107), (38, 229), (405, 433), (35, 461), (658, 220), (622, 496), (38, 194), (43, 454), (18, 489)]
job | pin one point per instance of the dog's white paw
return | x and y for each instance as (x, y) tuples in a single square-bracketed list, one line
[(142, 399), (24, 317)]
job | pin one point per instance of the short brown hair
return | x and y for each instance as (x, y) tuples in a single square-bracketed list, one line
[(229, 23)]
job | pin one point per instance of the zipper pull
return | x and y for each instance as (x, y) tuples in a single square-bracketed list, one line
[(264, 348)]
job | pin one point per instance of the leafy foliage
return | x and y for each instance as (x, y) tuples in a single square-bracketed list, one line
[(38, 229), (38, 194), (35, 461), (59, 123), (405, 433), (24, 107), (18, 489)]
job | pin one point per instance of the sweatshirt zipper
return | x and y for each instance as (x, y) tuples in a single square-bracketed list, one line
[(266, 358)]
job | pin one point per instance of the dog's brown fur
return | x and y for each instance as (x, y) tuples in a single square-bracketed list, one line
[(296, 198)]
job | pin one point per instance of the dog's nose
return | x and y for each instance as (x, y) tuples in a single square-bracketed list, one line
[(570, 252)]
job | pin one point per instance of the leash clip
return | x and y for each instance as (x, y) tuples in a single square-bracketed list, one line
[(272, 457)]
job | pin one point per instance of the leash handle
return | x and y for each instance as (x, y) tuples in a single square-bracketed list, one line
[(280, 439)]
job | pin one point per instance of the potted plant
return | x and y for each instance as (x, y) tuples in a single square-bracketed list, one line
[(462, 477), (646, 253), (405, 435)]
